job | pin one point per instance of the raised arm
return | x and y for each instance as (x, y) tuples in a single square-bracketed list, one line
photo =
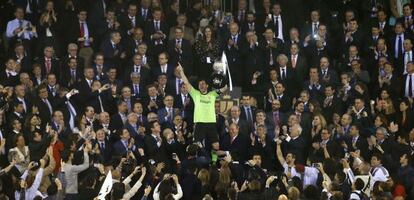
[(184, 77), (279, 152)]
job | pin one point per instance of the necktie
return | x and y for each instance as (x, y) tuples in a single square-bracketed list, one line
[(276, 118), (399, 47), (315, 28), (73, 75), (157, 25), (294, 61), (72, 113), (410, 86), (234, 39), (277, 26), (48, 105), (271, 62), (283, 74), (136, 88), (144, 13), (82, 32), (20, 23), (324, 72), (132, 21), (170, 112), (48, 66), (249, 115), (100, 103), (102, 145)]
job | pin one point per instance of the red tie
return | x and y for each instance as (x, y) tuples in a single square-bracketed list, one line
[(82, 32)]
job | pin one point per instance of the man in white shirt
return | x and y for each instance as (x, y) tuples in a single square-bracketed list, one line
[(377, 172)]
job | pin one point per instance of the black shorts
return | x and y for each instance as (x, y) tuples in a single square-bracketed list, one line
[(206, 131)]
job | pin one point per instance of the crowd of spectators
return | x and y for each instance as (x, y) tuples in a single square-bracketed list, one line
[(89, 87)]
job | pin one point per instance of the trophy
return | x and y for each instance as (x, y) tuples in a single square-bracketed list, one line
[(219, 77)]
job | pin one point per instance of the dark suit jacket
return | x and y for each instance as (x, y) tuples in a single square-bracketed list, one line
[(55, 67), (111, 54), (243, 112), (152, 151), (237, 148), (144, 72), (126, 23), (116, 122), (301, 69), (156, 71), (105, 155), (150, 28), (185, 56), (8, 80), (74, 32), (66, 77), (120, 148), (244, 127)]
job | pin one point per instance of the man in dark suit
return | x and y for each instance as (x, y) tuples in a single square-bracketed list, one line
[(48, 63), (44, 105), (271, 47), (277, 22), (113, 51), (352, 36), (100, 68), (152, 102), (119, 119), (407, 19), (136, 86), (20, 95), (130, 19), (408, 81), (357, 142), (250, 24), (156, 29), (296, 145), (154, 145), (235, 144), (80, 31), (254, 64), (125, 144), (275, 116), (311, 27), (84, 86), (235, 44), (72, 53), (100, 97), (180, 50), (133, 41), (105, 147), (247, 112), (396, 45), (383, 25), (327, 73), (244, 128), (332, 147), (185, 103), (166, 114), (145, 12), (287, 75), (163, 67), (278, 93), (331, 104), (137, 67), (175, 84), (297, 61), (8, 76), (71, 74)]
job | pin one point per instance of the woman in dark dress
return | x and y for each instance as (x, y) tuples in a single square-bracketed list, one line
[(207, 50), (48, 30)]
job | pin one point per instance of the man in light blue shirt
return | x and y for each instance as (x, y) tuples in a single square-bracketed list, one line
[(20, 28)]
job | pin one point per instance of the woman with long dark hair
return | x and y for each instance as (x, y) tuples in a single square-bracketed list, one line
[(207, 50)]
